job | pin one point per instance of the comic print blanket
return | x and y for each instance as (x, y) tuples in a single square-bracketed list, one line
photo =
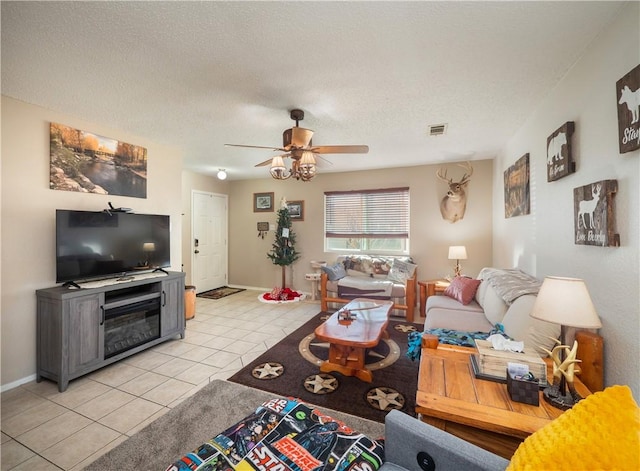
[(285, 434)]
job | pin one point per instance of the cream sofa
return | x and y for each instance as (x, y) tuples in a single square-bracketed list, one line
[(369, 276), (505, 297)]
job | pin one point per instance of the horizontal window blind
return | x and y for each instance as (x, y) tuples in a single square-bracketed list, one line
[(379, 214)]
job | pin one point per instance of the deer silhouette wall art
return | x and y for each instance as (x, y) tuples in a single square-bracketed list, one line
[(595, 214)]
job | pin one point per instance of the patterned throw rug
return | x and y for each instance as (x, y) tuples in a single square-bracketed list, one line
[(291, 368), (219, 292)]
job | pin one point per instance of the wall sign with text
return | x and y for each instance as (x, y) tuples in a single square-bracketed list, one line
[(559, 159), (628, 98), (594, 214)]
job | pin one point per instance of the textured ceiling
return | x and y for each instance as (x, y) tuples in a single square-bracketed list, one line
[(197, 75)]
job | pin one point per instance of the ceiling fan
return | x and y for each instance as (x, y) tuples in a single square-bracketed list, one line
[(296, 143)]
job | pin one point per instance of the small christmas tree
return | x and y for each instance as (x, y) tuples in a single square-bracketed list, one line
[(283, 251)]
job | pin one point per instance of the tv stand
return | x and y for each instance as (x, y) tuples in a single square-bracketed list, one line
[(126, 278), (77, 330)]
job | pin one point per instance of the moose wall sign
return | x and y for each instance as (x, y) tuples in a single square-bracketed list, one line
[(628, 94), (454, 203), (559, 159), (594, 213)]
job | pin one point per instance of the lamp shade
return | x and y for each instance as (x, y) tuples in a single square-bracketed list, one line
[(565, 301), (457, 252), (277, 162), (307, 158), (278, 170), (149, 247)]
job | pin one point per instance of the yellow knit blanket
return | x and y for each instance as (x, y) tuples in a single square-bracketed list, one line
[(601, 432)]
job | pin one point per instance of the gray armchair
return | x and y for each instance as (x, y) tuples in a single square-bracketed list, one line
[(414, 445)]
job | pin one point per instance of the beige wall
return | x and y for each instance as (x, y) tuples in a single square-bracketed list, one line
[(28, 219), (430, 234), (542, 242)]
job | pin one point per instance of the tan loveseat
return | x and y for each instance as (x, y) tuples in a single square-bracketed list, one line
[(504, 297), (370, 276)]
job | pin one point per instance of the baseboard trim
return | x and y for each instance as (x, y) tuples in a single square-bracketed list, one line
[(15, 384)]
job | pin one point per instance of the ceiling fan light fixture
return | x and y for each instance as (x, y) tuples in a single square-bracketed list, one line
[(307, 158), (308, 162), (278, 170), (296, 142), (307, 174), (307, 166)]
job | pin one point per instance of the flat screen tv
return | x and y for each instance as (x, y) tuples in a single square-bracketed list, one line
[(95, 245)]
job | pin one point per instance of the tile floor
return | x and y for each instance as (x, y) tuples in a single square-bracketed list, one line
[(43, 429)]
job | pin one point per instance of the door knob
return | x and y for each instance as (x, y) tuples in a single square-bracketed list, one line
[(196, 251)]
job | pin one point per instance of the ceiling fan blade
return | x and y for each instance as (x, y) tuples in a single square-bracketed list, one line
[(340, 149), (324, 161), (262, 164), (257, 147)]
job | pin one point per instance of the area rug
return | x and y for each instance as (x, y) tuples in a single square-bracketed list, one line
[(219, 292), (292, 368), (195, 421)]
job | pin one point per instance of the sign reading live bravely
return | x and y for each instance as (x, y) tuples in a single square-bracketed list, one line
[(628, 96)]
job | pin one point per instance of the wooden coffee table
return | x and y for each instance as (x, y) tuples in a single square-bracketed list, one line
[(479, 411), (350, 339)]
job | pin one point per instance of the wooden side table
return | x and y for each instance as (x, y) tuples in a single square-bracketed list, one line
[(451, 398), (314, 278), (429, 288)]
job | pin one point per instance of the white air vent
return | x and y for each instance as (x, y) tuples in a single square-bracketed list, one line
[(437, 129)]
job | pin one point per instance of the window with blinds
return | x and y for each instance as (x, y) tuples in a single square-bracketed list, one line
[(367, 220)]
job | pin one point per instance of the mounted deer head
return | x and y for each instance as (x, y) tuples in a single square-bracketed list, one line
[(454, 204)]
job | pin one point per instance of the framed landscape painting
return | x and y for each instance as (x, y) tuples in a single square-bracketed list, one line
[(89, 163), (516, 188), (263, 202), (296, 210)]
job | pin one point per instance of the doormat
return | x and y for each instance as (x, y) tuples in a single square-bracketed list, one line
[(220, 292), (291, 368)]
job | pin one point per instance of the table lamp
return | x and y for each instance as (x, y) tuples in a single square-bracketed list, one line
[(457, 253), (148, 248), (564, 301)]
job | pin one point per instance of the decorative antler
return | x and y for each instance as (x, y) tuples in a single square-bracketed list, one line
[(444, 177), (468, 168), (465, 178), (564, 367)]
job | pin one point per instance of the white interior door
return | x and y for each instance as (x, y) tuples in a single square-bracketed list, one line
[(209, 241)]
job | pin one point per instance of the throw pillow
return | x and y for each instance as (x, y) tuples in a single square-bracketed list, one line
[(334, 272), (401, 271), (602, 431), (462, 289)]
